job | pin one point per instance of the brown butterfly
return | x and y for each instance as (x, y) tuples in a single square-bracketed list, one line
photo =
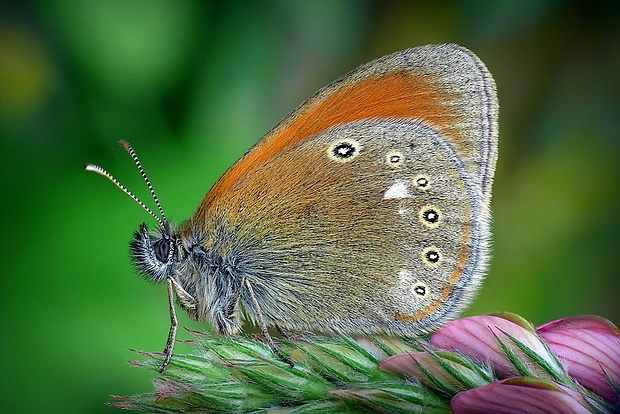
[(365, 210)]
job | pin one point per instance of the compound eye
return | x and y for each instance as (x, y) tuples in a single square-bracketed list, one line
[(161, 249)]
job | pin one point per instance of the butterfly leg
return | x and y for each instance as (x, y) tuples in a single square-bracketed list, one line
[(174, 323), (188, 302), (263, 325), (234, 300)]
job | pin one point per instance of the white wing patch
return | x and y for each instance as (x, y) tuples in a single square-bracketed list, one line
[(400, 189)]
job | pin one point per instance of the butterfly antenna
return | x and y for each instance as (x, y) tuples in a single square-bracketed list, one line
[(131, 152), (101, 171)]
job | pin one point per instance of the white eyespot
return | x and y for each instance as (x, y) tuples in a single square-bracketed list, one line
[(344, 150), (421, 182), (419, 289), (394, 159), (430, 216), (400, 189), (432, 256)]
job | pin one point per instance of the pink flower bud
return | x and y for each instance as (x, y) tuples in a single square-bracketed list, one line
[(589, 347), (519, 395), (507, 342)]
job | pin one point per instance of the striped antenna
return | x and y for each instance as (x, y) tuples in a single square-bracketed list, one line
[(101, 171), (131, 152)]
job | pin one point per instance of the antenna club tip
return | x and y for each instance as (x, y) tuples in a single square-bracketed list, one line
[(89, 167), (124, 144)]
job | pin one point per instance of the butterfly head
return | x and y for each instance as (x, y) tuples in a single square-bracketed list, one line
[(154, 253)]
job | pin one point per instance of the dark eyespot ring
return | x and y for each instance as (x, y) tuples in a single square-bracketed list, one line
[(432, 256), (422, 182), (430, 216), (395, 158), (419, 289), (344, 150)]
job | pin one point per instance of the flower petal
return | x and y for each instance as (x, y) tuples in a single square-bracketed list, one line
[(589, 347), (511, 348), (519, 395)]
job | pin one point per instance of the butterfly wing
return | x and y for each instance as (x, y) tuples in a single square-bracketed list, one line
[(446, 86), (366, 209)]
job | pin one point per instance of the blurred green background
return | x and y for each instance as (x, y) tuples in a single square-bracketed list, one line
[(193, 84)]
